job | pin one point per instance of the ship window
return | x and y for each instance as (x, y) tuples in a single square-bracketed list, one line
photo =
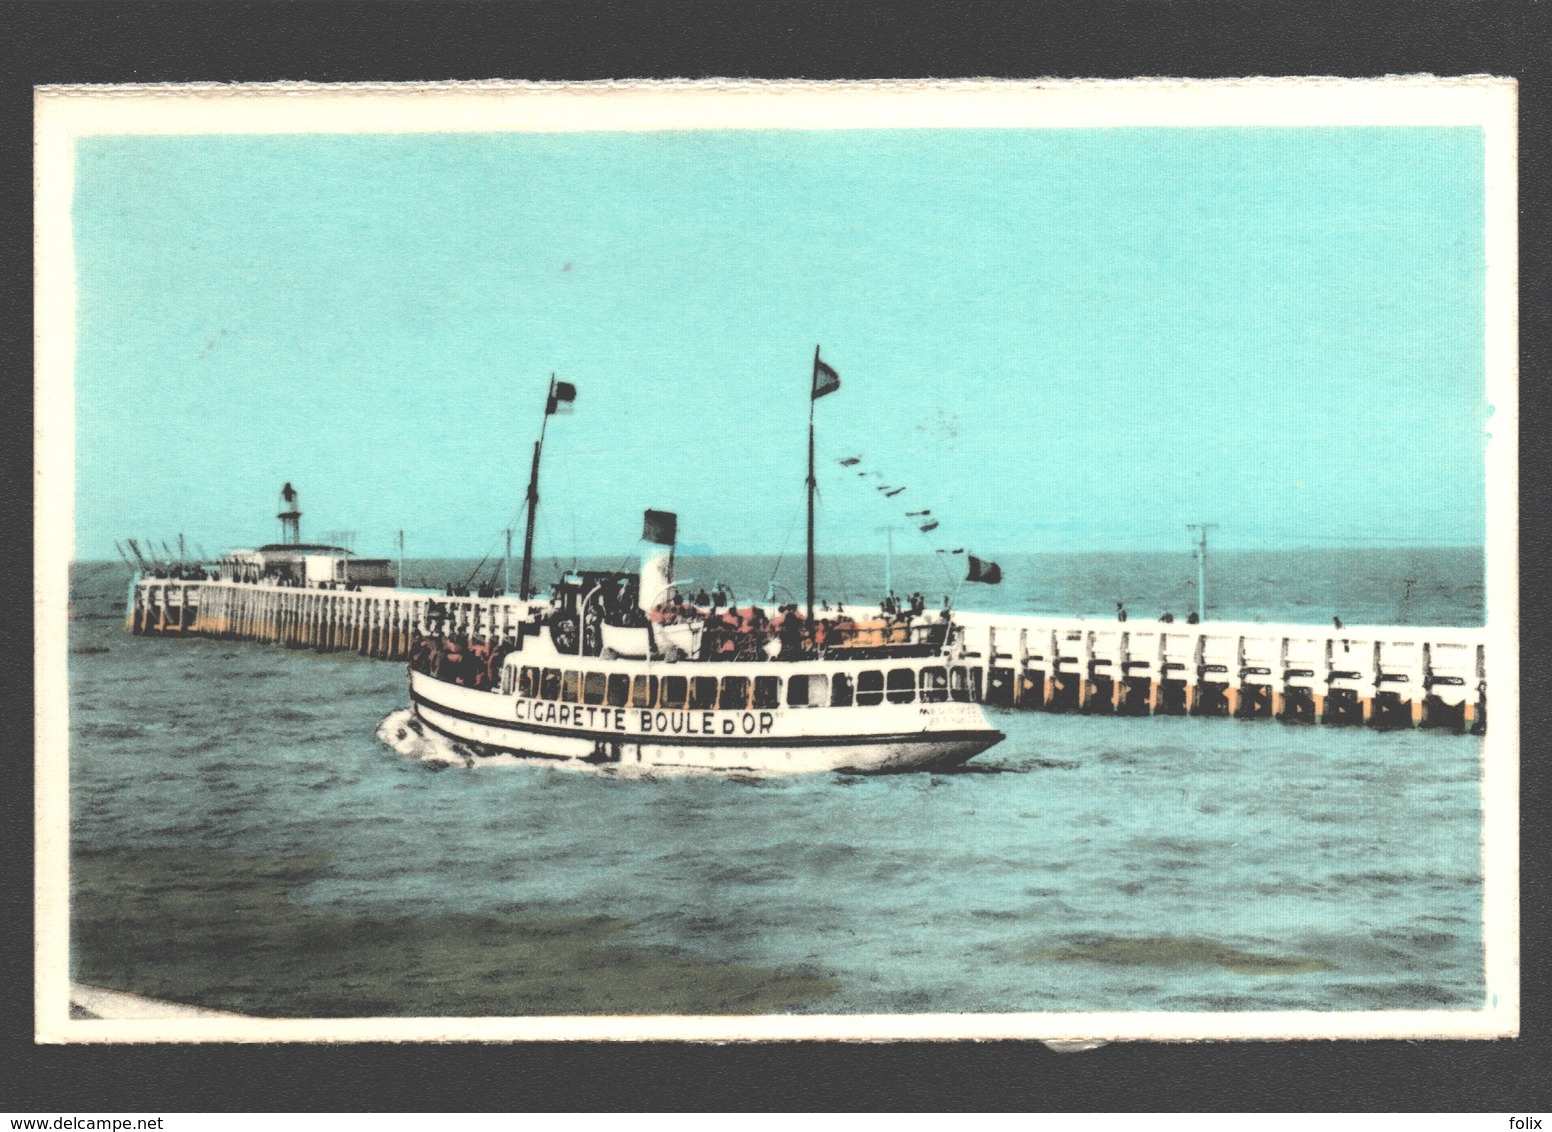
[(805, 691), (619, 689), (508, 680), (870, 688), (675, 688), (934, 685), (569, 686), (528, 682), (767, 691), (958, 685), (593, 688), (703, 692), (735, 693), (549, 685), (643, 691), (840, 690), (902, 685)]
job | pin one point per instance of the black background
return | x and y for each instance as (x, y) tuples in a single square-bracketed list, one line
[(332, 42)]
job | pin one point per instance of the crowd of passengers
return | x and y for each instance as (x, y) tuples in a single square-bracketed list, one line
[(732, 633), (727, 633), (457, 660)]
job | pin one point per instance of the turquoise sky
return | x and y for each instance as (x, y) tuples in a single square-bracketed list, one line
[(1055, 339)]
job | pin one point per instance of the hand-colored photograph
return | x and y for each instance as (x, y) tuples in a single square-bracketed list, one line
[(775, 560)]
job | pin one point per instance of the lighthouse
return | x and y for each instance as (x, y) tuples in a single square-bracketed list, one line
[(290, 517)]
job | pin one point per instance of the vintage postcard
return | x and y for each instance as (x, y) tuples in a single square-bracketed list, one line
[(721, 560)]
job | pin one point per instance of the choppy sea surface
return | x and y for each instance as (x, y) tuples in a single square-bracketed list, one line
[(243, 837)]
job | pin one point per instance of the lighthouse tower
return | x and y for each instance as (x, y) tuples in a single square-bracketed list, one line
[(290, 517)]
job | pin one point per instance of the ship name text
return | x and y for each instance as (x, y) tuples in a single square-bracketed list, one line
[(631, 721)]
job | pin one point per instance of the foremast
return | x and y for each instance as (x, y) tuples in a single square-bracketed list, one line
[(560, 396)]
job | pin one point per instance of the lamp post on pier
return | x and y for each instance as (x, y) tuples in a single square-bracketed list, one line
[(1201, 530)]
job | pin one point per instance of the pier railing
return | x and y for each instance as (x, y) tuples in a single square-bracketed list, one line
[(1402, 676), (1385, 676)]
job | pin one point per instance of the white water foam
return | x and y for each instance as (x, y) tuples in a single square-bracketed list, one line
[(401, 732)]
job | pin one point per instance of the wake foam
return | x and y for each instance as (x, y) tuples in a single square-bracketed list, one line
[(401, 732), (406, 735)]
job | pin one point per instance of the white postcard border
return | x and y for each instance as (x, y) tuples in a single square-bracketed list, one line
[(65, 114)]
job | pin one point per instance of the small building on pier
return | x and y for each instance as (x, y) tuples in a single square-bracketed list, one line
[(292, 562), (307, 565)]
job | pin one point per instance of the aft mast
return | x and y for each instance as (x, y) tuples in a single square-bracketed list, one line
[(826, 380)]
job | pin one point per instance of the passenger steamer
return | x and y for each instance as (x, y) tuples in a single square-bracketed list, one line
[(617, 671)]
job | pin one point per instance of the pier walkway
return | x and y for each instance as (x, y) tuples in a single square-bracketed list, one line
[(1383, 676)]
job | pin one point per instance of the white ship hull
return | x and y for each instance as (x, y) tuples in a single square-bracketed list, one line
[(780, 740)]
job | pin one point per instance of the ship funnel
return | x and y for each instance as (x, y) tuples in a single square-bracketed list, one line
[(658, 530)]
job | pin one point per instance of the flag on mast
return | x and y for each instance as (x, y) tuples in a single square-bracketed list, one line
[(826, 380), (561, 398), (982, 570)]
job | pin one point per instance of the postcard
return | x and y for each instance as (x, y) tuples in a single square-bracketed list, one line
[(757, 561)]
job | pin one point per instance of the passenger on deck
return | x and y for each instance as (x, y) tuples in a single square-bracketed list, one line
[(791, 633), (455, 662), (711, 634), (479, 665), (727, 644), (493, 664), (746, 620)]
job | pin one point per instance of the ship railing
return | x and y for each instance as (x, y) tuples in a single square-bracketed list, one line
[(852, 640)]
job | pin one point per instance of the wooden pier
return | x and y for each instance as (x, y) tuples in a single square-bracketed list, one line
[(1381, 676), (371, 621)]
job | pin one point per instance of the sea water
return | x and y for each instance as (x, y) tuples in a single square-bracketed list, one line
[(1082, 864)]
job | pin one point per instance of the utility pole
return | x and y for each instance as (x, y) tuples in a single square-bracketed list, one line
[(810, 483), (1201, 566), (889, 560)]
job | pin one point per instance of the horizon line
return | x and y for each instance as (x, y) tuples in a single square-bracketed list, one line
[(683, 552)]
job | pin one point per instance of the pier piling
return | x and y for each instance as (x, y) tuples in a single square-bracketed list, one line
[(1385, 677)]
